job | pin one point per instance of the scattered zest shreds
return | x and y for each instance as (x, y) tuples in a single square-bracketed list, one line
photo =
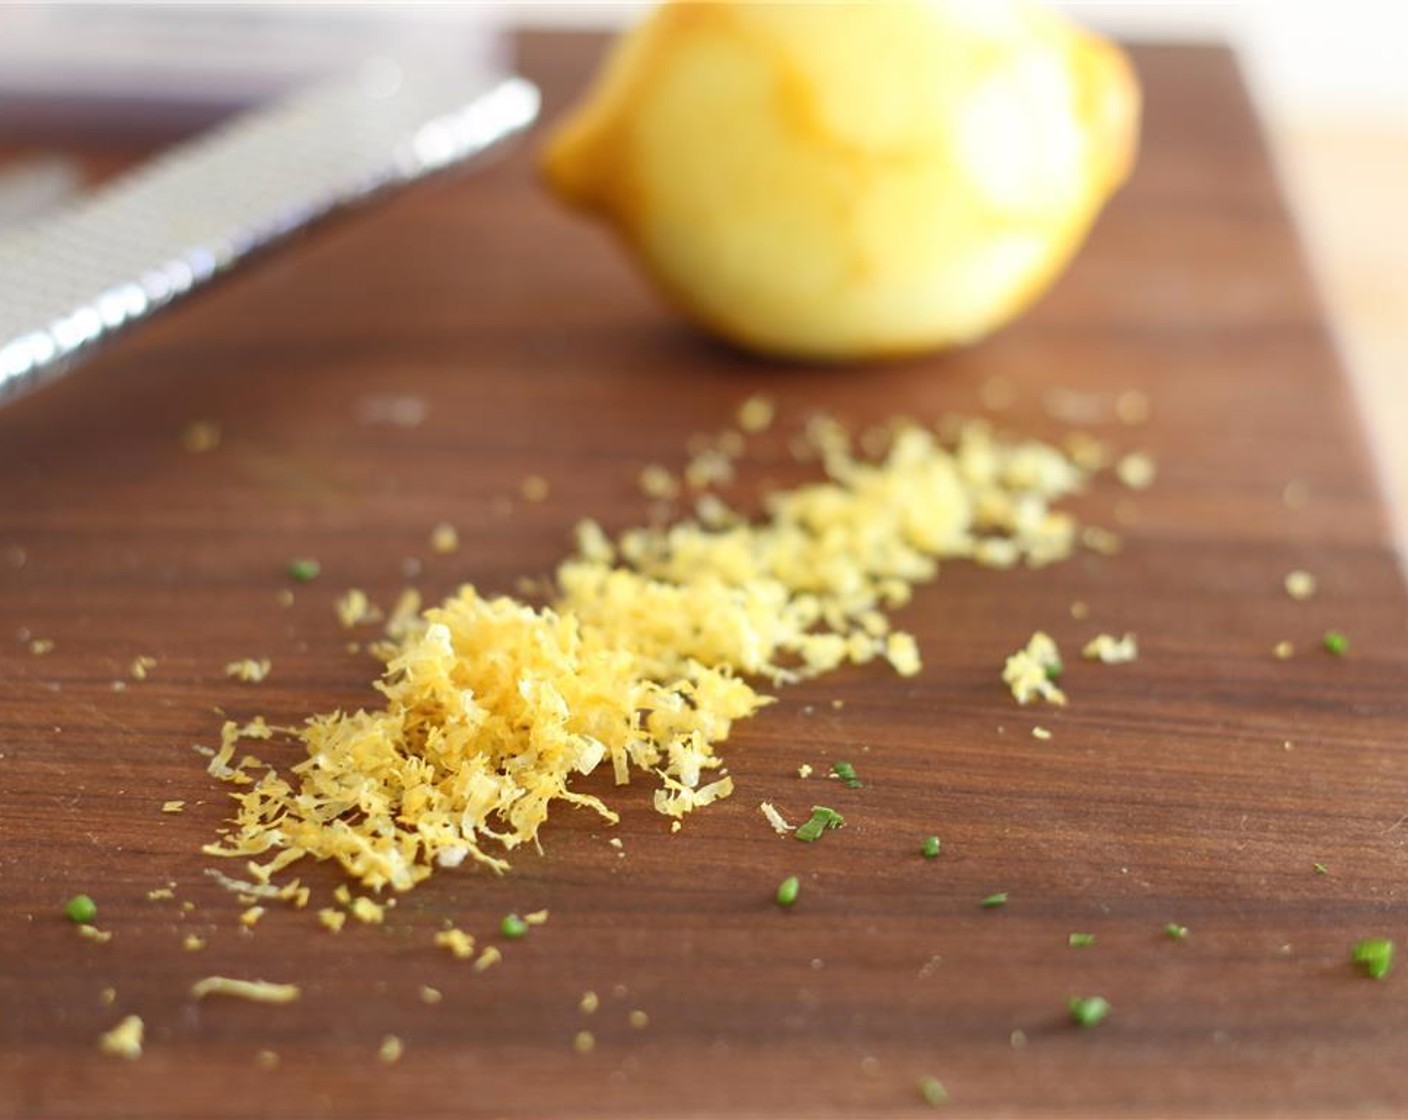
[(256, 991), (1111, 650), (457, 942), (657, 643), (444, 539), (124, 1040), (1028, 672), (354, 609), (776, 819), (756, 414), (1136, 471), (391, 1050), (249, 670)]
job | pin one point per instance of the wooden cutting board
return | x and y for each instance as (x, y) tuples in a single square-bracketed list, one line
[(1200, 785)]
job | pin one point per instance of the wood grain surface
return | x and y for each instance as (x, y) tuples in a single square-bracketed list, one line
[(1199, 785)]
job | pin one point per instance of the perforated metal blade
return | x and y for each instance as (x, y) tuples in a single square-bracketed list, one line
[(150, 237)]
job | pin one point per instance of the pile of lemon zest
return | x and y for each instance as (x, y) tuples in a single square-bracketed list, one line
[(173, 806), (193, 943), (429, 994), (250, 918), (93, 933), (331, 919), (141, 666), (159, 893), (536, 918), (588, 1003), (256, 991), (656, 644)]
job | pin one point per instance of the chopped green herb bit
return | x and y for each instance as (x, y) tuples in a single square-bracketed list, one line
[(513, 926), (847, 773), (1320, 869), (304, 570), (930, 848), (787, 891), (81, 909), (821, 820), (1374, 956), (1176, 931), (932, 1091), (1336, 643), (995, 900), (1054, 670), (1088, 1011), (1080, 940)]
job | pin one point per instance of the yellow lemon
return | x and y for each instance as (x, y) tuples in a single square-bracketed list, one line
[(848, 180)]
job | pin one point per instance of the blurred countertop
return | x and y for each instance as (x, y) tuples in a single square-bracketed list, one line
[(1348, 179)]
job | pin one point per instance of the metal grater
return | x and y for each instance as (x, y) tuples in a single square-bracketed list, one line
[(160, 231)]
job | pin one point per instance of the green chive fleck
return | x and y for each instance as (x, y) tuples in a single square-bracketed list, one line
[(821, 820), (1374, 956), (787, 891), (1336, 643), (1080, 940), (1088, 1011), (1176, 931), (513, 926), (932, 1091), (1320, 869), (81, 909), (1054, 670), (304, 570), (930, 848), (847, 773), (995, 900)]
